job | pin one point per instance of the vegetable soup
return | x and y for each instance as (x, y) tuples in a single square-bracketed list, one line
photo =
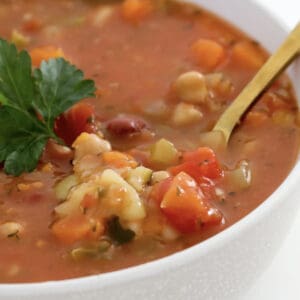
[(122, 168)]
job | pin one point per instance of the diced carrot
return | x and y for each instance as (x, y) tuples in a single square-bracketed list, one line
[(208, 54), (247, 55), (185, 206), (72, 228), (119, 159), (80, 118), (256, 118), (44, 53), (199, 164), (136, 10)]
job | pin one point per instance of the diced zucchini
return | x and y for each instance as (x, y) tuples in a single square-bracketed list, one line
[(163, 153), (159, 176), (63, 187), (239, 178), (139, 177), (132, 207)]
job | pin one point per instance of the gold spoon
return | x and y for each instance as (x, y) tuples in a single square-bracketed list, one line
[(273, 66)]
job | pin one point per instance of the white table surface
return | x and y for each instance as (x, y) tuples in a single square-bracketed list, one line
[(282, 279)]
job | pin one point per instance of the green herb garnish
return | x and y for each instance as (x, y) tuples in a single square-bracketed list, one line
[(118, 233), (30, 102)]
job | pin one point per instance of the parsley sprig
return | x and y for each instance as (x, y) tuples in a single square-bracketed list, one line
[(30, 102)]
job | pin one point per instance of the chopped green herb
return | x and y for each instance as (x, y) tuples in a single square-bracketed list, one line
[(30, 102), (118, 233)]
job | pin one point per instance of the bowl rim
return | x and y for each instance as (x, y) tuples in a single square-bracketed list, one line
[(174, 260)]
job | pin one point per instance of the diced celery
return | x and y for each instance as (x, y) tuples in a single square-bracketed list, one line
[(239, 178)]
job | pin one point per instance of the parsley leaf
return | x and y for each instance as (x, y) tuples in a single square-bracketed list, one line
[(60, 86), (16, 83), (24, 94), (117, 232)]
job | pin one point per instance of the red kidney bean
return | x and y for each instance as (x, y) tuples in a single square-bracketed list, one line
[(125, 125)]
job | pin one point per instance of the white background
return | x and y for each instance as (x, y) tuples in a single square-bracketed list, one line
[(282, 280)]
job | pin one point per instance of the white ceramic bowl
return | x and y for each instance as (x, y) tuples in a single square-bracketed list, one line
[(222, 267)]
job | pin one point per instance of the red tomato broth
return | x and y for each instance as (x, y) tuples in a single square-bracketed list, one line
[(134, 65)]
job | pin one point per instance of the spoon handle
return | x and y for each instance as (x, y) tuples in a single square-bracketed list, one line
[(274, 65)]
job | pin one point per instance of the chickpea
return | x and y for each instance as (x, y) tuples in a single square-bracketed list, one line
[(185, 114), (191, 87)]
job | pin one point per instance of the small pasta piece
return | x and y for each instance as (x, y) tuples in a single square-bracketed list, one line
[(207, 53), (89, 143), (63, 187), (186, 114), (10, 229), (75, 196), (132, 207), (191, 87)]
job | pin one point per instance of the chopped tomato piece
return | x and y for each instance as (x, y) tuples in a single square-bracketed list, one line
[(159, 190), (198, 164), (44, 53), (80, 118), (185, 206), (119, 159)]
